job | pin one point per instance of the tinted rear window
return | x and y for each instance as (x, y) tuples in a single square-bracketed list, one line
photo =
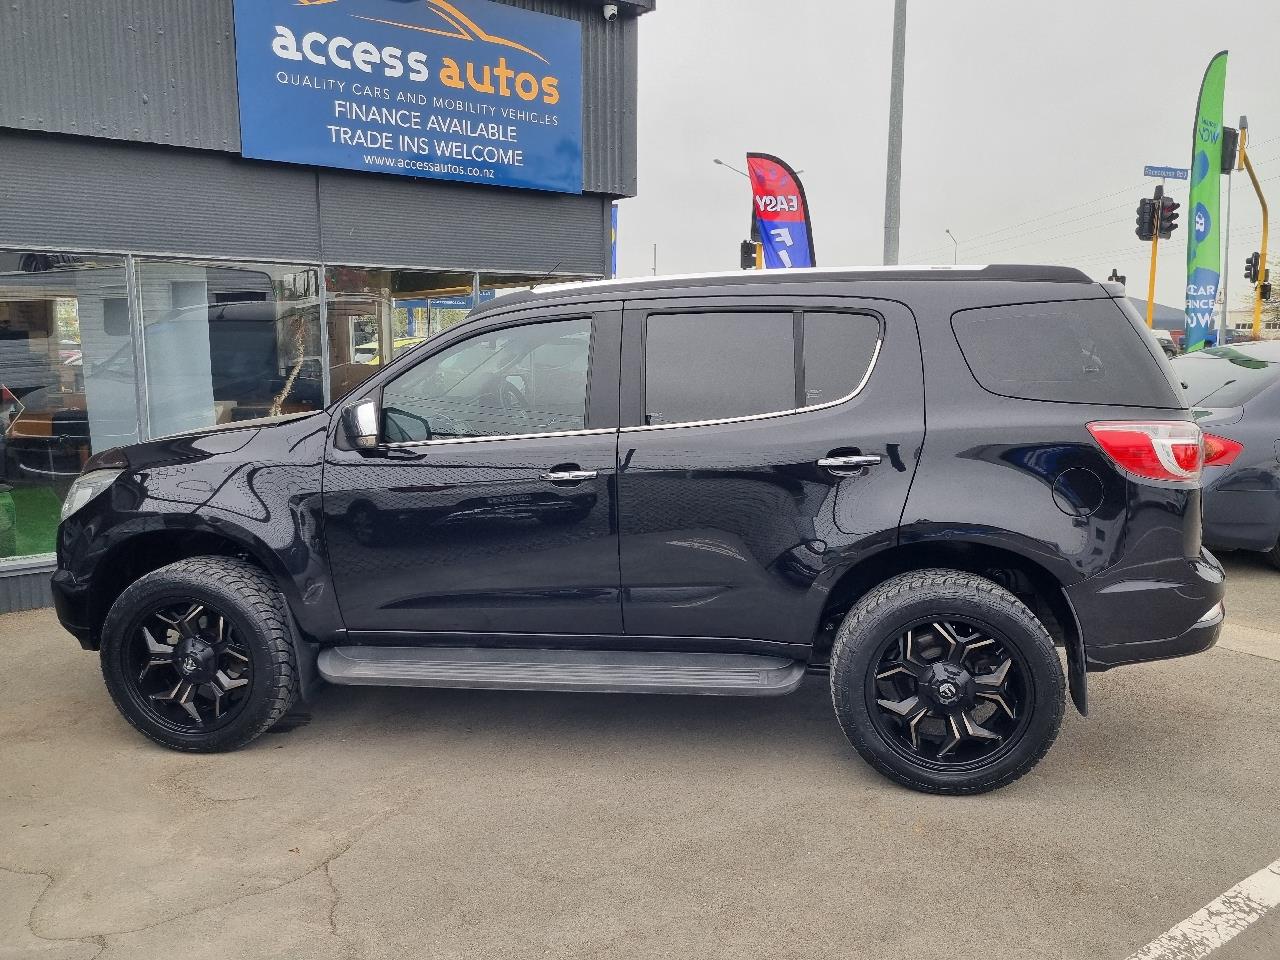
[(724, 365), (710, 366), (1223, 376), (1080, 351), (838, 348)]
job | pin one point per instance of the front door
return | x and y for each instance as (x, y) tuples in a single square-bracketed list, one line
[(487, 509), (763, 449)]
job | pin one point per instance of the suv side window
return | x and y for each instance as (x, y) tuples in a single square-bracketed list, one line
[(1080, 351), (725, 365), (505, 382), (838, 350)]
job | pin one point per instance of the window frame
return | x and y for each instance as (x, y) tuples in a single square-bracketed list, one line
[(797, 311), (595, 367)]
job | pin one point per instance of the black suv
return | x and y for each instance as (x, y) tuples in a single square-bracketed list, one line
[(917, 481)]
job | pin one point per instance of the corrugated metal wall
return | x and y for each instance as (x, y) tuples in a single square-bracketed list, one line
[(24, 585), (609, 72), (105, 196), (156, 71), (163, 71)]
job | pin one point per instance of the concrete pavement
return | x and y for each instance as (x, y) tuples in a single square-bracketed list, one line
[(404, 823)]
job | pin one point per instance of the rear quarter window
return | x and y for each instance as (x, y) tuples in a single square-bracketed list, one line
[(1078, 351)]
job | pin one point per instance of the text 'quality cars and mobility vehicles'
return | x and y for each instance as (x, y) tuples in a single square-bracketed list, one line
[(916, 482)]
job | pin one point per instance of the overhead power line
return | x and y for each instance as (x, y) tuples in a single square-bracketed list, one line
[(1044, 216)]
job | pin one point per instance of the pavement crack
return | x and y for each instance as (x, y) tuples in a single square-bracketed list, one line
[(324, 865), (333, 910), (97, 940)]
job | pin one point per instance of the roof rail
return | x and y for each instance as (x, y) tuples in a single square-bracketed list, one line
[(1026, 273)]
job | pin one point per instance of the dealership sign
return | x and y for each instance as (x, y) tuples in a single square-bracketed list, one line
[(461, 90)]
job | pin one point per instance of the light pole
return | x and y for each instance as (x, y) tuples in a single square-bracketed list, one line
[(955, 253), (740, 173), (893, 175), (754, 231), (721, 163)]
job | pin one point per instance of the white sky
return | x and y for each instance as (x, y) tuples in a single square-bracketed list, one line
[(1014, 109)]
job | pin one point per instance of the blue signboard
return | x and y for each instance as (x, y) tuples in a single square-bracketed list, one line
[(460, 90), (1169, 173), (448, 303)]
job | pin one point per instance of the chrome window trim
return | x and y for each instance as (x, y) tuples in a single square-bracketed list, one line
[(506, 436), (866, 377), (862, 384)]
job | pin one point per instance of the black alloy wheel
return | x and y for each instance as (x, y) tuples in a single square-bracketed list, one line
[(200, 655), (949, 695), (946, 682), (187, 667)]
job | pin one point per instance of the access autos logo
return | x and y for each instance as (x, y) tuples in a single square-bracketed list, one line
[(442, 20)]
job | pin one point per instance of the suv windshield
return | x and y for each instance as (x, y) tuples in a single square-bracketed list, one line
[(1225, 376)]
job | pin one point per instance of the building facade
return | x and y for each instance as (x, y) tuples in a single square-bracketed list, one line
[(221, 210)]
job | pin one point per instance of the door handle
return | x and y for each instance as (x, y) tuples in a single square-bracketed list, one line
[(850, 464), (570, 476)]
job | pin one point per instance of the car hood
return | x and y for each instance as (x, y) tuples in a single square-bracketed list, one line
[(209, 441)]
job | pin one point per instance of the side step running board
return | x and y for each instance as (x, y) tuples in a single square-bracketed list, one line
[(586, 671)]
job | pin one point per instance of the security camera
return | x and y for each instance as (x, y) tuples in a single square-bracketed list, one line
[(611, 12)]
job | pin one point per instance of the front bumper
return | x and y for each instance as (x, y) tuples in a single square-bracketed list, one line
[(71, 603), (1150, 612)]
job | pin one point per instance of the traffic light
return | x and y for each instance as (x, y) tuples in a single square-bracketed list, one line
[(1230, 141), (1264, 289), (1252, 268), (748, 255), (1146, 219), (1168, 217)]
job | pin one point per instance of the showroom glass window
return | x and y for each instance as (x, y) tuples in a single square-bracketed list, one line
[(372, 313), (67, 384), (229, 342), (377, 313)]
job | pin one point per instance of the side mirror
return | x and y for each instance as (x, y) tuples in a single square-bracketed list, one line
[(361, 424)]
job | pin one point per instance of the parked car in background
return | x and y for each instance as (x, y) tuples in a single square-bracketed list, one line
[(1235, 394), (703, 485), (1167, 343)]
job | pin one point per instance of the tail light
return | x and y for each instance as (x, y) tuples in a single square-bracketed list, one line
[(1220, 451), (1152, 449)]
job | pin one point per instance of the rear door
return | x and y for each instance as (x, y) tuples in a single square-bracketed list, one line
[(764, 448)]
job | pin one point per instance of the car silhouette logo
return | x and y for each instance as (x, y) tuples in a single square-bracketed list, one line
[(456, 24)]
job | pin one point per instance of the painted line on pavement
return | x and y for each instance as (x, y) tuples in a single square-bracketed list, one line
[(1250, 640), (1220, 921)]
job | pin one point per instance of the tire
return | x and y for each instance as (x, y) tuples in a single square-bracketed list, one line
[(241, 629), (1273, 556), (883, 660)]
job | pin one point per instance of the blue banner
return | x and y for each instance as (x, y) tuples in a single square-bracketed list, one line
[(460, 90)]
